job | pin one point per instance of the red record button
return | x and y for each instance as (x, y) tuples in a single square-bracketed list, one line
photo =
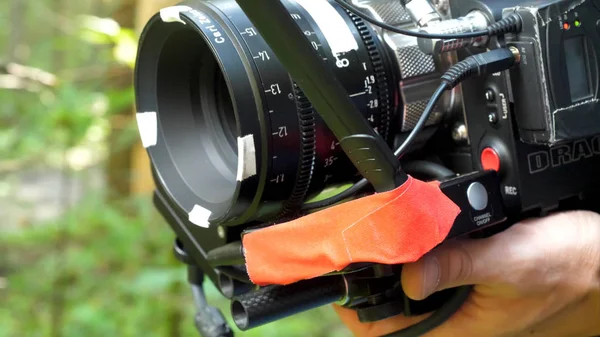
[(490, 160)]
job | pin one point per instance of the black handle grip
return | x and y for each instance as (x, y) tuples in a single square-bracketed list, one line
[(272, 303), (368, 153)]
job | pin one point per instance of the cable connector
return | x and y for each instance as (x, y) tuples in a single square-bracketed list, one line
[(474, 21), (510, 24), (485, 63), (421, 12)]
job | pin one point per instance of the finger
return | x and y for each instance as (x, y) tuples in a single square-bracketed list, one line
[(496, 259), (530, 256), (451, 265), (372, 329)]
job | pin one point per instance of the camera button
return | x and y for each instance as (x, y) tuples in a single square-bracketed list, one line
[(490, 96), (493, 118), (490, 160), (477, 196)]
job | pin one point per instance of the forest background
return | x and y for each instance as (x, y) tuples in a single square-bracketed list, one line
[(82, 250)]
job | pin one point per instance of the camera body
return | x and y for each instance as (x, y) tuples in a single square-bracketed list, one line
[(540, 119), (534, 129)]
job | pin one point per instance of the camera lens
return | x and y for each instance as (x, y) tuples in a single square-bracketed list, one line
[(235, 135), (225, 112), (216, 119)]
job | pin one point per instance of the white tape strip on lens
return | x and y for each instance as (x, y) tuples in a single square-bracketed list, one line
[(246, 158), (148, 128), (171, 14), (199, 216), (332, 25)]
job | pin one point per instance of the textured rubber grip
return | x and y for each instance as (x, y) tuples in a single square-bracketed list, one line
[(510, 24), (485, 63), (272, 303), (371, 159)]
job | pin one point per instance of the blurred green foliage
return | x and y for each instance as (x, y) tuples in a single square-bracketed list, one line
[(119, 276), (100, 269), (72, 106)]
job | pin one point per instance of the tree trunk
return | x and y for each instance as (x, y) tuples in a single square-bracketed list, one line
[(129, 169), (142, 182), (120, 173)]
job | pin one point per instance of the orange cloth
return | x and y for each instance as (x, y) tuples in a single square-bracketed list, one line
[(394, 227)]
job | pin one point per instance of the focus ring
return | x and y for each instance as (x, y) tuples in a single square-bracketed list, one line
[(380, 75), (308, 146)]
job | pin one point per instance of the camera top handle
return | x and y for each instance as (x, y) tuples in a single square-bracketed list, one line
[(366, 149)]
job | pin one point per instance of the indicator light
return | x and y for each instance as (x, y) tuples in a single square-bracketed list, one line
[(577, 23), (566, 26)]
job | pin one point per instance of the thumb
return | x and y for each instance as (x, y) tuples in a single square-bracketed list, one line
[(449, 266), (532, 255)]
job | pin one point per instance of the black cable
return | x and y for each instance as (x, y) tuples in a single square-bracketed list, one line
[(438, 317), (363, 183), (485, 63), (511, 23), (437, 95), (354, 10), (356, 188), (428, 169)]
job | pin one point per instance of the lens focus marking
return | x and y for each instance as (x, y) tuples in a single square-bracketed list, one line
[(291, 135), (383, 104), (354, 70)]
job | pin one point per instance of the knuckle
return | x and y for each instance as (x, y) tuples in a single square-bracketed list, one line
[(461, 265)]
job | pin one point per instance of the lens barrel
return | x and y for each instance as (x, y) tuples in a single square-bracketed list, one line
[(235, 137)]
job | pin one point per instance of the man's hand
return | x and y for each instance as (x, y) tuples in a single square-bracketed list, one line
[(539, 278)]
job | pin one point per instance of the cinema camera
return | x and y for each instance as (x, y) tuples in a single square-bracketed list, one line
[(255, 112)]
